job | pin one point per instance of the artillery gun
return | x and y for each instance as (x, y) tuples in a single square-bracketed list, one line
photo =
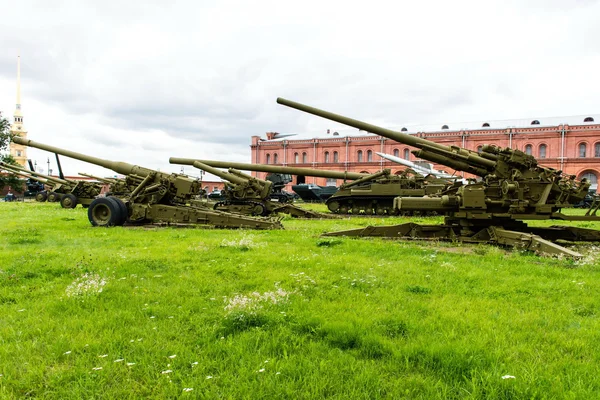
[(117, 186), (158, 198), (67, 191), (33, 187), (513, 188), (248, 195), (360, 193)]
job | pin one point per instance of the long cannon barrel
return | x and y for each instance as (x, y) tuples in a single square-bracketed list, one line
[(103, 180), (33, 174), (221, 174), (465, 160), (25, 175), (272, 168), (117, 166)]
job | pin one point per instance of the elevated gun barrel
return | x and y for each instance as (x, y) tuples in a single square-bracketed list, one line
[(33, 174), (117, 166), (103, 180), (468, 161), (272, 168), (221, 174), (25, 175)]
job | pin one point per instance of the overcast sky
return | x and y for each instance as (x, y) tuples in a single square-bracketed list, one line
[(140, 81)]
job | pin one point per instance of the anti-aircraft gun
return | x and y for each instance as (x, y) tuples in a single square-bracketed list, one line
[(513, 188), (360, 193), (247, 195), (158, 198), (67, 191)]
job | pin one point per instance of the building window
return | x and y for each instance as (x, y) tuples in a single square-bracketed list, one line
[(304, 158), (275, 160), (485, 125), (590, 176), (582, 150), (588, 119), (479, 149), (543, 151), (369, 156), (326, 156), (268, 159), (18, 153), (445, 127), (403, 130), (296, 158), (535, 122), (528, 149), (406, 154), (359, 156), (597, 150), (396, 153), (331, 182), (336, 157)]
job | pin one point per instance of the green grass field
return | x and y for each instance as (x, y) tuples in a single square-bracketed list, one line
[(203, 313)]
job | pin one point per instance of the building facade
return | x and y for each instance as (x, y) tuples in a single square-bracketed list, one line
[(572, 146)]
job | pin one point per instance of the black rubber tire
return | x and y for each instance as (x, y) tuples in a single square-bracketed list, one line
[(122, 208), (68, 201), (41, 197), (53, 197), (104, 211)]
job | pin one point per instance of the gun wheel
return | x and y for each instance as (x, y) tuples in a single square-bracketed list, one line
[(105, 211), (41, 197), (53, 197), (68, 201)]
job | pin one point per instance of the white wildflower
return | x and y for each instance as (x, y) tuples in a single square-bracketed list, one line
[(508, 377), (119, 360), (103, 355), (21, 310), (67, 352), (209, 377), (173, 356), (188, 389), (261, 370), (168, 371), (195, 363), (86, 285), (96, 369), (130, 364)]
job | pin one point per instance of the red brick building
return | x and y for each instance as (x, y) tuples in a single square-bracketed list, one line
[(571, 144)]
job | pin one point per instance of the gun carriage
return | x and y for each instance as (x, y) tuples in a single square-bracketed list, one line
[(156, 197), (361, 193), (513, 188), (245, 194)]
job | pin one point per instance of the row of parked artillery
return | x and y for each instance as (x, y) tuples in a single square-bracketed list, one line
[(511, 188)]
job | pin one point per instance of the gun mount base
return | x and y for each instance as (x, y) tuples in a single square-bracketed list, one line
[(520, 236)]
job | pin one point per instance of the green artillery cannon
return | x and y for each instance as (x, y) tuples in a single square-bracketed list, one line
[(248, 195), (159, 197), (117, 187), (361, 193), (513, 188), (67, 191)]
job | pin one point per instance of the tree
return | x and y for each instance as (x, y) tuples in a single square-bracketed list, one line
[(9, 180)]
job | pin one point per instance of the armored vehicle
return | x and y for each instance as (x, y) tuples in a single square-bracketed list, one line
[(158, 197), (513, 188)]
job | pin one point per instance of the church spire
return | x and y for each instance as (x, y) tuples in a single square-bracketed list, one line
[(18, 82), (18, 113), (17, 151)]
